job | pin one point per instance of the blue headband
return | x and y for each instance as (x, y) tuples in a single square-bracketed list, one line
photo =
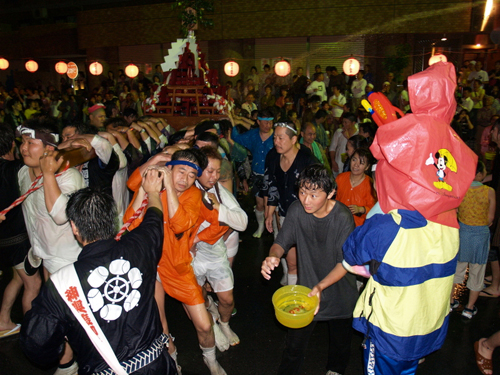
[(265, 118), (185, 162)]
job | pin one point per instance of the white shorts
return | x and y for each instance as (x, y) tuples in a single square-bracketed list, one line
[(232, 244), (219, 274)]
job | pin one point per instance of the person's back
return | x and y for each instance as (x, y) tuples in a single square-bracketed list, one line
[(117, 279)]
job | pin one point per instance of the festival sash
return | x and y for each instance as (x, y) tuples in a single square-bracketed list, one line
[(68, 286)]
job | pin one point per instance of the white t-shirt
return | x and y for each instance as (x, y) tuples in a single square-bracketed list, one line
[(358, 88), (336, 110), (338, 144), (481, 75), (321, 90)]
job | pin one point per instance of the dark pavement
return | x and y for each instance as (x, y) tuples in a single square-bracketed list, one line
[(262, 337)]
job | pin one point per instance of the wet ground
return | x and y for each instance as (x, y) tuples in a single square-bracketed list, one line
[(262, 337)]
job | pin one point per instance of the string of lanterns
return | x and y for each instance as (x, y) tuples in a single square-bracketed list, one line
[(351, 67), (282, 68), (70, 68)]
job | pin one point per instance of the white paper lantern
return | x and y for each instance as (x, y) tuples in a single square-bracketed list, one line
[(61, 67), (131, 71), (31, 66), (351, 66), (4, 64), (231, 68), (282, 68), (95, 68)]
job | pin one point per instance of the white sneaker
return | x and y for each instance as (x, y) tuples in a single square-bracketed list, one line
[(214, 367), (71, 370), (212, 308), (221, 340), (231, 336)]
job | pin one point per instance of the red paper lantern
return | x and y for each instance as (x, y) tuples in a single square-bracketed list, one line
[(437, 58), (4, 64), (61, 67), (131, 71), (282, 68), (351, 66), (231, 68), (95, 68), (31, 66)]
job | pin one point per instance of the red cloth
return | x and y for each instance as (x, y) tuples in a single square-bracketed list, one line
[(409, 175)]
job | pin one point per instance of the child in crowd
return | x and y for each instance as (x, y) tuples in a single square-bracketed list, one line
[(475, 215)]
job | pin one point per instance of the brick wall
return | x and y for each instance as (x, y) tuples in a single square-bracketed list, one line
[(238, 19)]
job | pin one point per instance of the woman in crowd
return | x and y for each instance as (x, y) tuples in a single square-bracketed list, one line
[(355, 188)]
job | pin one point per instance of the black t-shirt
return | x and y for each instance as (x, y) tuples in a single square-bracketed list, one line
[(281, 186), (123, 274), (319, 249), (9, 188)]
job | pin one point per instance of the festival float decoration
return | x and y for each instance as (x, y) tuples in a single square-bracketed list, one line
[(190, 91)]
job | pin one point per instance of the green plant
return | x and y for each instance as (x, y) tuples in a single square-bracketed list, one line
[(399, 61), (193, 13)]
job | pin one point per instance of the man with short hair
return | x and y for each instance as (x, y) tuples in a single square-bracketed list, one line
[(117, 279), (317, 87), (478, 73), (48, 228), (211, 261), (339, 142), (259, 141), (466, 102), (318, 226), (337, 79), (97, 116), (337, 102), (182, 202), (358, 90), (249, 104), (308, 133)]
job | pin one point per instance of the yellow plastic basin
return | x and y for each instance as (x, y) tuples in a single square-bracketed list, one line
[(293, 308)]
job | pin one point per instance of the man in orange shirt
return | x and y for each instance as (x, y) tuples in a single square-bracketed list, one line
[(183, 214)]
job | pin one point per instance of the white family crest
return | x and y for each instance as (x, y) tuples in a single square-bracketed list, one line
[(119, 289)]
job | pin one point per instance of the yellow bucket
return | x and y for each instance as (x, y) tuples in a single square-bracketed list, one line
[(293, 308)]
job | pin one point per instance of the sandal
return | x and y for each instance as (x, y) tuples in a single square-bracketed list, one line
[(455, 304), (482, 363), (469, 313)]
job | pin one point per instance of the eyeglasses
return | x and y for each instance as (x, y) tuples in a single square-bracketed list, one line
[(285, 125)]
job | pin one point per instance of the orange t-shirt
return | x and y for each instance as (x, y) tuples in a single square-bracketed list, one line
[(361, 195), (177, 275)]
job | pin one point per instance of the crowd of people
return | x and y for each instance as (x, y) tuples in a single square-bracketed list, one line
[(120, 208)]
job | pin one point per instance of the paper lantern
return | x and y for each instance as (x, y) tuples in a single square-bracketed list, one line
[(231, 68), (61, 67), (4, 64), (31, 66), (351, 66), (282, 68), (437, 58), (131, 71), (95, 68)]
